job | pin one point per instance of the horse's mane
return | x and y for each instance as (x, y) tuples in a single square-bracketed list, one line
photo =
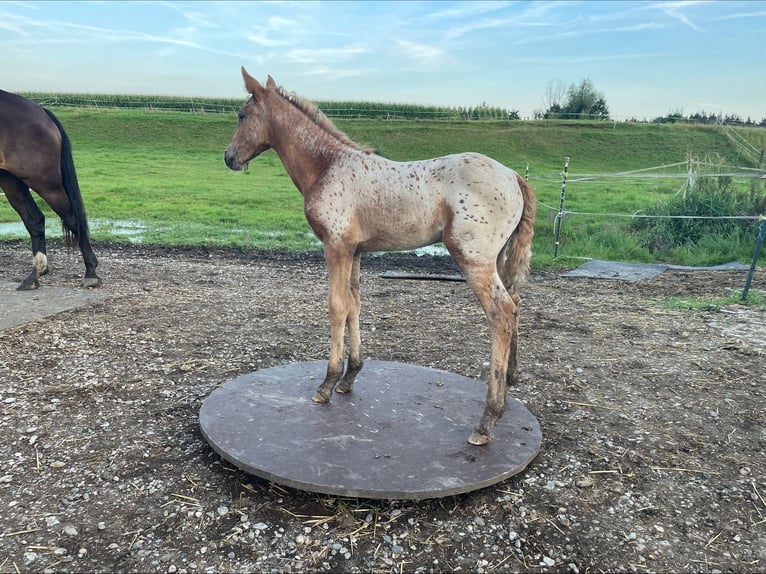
[(319, 118)]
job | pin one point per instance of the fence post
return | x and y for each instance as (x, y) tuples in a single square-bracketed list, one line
[(761, 235), (560, 215)]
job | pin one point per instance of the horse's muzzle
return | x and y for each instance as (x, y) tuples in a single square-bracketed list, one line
[(231, 159)]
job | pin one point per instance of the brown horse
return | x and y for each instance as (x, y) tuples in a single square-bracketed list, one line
[(356, 202), (35, 153)]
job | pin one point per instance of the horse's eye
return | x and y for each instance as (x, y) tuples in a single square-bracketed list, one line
[(241, 117)]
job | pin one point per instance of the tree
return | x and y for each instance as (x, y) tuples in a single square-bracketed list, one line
[(583, 101), (552, 112), (600, 109), (554, 95)]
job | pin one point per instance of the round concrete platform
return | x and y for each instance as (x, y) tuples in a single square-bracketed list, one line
[(401, 434)]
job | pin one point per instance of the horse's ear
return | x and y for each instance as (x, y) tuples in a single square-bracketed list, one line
[(251, 84), (270, 83)]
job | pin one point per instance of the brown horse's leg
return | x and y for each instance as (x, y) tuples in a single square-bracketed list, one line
[(355, 360), (339, 266), (22, 202), (55, 196), (500, 310)]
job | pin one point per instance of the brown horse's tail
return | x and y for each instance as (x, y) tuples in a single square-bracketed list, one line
[(513, 264), (72, 188)]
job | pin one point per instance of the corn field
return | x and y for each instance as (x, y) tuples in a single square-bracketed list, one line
[(364, 110)]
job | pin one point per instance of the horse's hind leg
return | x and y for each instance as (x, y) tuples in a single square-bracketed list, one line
[(355, 360), (513, 365), (500, 309), (55, 196), (339, 266), (91, 278), (22, 202)]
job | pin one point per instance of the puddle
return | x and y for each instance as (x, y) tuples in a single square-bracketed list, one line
[(435, 249), (16, 230), (133, 230)]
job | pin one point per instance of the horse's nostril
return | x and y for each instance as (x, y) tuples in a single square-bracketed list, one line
[(231, 161)]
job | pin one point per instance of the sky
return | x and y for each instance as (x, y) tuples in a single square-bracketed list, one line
[(646, 58)]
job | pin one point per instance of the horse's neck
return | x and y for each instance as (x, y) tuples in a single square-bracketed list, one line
[(306, 150)]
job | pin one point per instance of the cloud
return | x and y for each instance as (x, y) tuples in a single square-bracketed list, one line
[(194, 17), (322, 55), (421, 54), (574, 60), (57, 32), (467, 9), (337, 74), (13, 25), (674, 10), (266, 42), (279, 23), (469, 17), (640, 27), (739, 16), (538, 10), (276, 26), (458, 31)]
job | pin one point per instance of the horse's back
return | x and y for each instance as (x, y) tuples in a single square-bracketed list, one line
[(29, 139), (17, 111), (472, 181), (428, 181), (485, 199), (477, 169), (405, 205)]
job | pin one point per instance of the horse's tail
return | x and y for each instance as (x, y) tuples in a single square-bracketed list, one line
[(72, 188), (514, 263)]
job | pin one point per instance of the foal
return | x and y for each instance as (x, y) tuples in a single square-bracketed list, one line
[(355, 201)]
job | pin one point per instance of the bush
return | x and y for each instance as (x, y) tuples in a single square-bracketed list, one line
[(688, 220)]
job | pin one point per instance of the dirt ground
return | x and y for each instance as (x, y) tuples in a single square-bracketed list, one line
[(653, 455)]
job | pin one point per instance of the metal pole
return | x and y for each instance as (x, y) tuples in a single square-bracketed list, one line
[(560, 216), (761, 235)]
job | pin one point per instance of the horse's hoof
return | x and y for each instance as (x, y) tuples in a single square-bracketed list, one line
[(28, 285), (320, 399), (478, 439), (91, 282), (344, 388)]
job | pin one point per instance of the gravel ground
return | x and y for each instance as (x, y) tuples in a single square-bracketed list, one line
[(653, 455)]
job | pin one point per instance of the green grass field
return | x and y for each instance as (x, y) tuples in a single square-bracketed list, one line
[(158, 177)]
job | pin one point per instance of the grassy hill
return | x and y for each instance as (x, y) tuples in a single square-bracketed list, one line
[(159, 177)]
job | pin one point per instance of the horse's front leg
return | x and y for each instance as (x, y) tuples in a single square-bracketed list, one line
[(355, 360), (39, 268), (339, 267)]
